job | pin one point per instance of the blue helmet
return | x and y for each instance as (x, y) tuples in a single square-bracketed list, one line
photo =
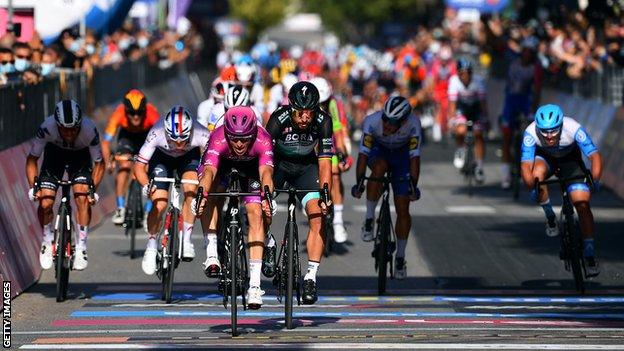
[(464, 64), (549, 117)]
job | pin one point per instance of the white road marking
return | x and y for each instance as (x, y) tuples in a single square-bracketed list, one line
[(334, 346), (470, 209)]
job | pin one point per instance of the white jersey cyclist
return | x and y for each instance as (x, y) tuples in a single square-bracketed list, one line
[(156, 139), (87, 137), (408, 134), (572, 135), (468, 95)]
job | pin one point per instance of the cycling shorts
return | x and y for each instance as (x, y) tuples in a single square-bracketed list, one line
[(56, 159), (465, 113), (163, 165), (568, 166), (300, 176), (398, 161), (130, 143), (249, 182)]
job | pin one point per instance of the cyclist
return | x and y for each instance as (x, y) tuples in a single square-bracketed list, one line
[(172, 145), (69, 142), (217, 95), (553, 142), (240, 142), (442, 69), (341, 162), (390, 143), (133, 119), (236, 95), (522, 94), (467, 102), (302, 139)]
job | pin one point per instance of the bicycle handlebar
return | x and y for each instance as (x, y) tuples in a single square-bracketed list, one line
[(176, 181), (587, 178)]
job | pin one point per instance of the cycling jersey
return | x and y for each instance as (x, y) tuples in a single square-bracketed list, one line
[(119, 120), (157, 140), (572, 136), (204, 111), (409, 134), (468, 99), (218, 148), (299, 146), (48, 133)]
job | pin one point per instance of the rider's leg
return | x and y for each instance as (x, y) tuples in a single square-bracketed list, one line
[(121, 181), (340, 234), (374, 189), (316, 240), (45, 213), (83, 214), (540, 171), (154, 219), (479, 148), (255, 242), (460, 134), (580, 199), (403, 222)]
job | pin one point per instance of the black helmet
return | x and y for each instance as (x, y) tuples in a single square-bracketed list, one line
[(464, 64), (303, 96)]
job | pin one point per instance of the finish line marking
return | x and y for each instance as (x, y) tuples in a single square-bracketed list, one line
[(471, 209)]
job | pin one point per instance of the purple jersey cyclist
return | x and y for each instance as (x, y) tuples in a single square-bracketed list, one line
[(242, 144)]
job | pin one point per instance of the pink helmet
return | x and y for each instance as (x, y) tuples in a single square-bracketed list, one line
[(240, 121)]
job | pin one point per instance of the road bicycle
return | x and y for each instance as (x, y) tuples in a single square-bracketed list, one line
[(134, 209), (470, 164)]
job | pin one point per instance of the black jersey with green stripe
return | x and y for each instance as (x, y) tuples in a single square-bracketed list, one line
[(300, 146)]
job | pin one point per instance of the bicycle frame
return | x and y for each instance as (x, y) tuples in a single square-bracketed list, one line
[(469, 165)]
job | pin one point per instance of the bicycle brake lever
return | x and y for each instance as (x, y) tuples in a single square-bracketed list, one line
[(198, 197), (268, 197)]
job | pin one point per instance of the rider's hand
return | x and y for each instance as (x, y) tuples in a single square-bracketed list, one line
[(345, 164), (325, 207), (94, 199), (269, 211), (198, 210), (596, 186), (147, 191), (415, 194), (32, 195), (356, 191), (110, 166)]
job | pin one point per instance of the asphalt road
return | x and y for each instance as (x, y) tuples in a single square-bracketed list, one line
[(481, 274)]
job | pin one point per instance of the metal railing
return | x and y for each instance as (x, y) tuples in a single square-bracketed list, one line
[(23, 107)]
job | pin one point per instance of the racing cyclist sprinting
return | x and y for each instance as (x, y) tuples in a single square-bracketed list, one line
[(131, 121), (390, 142), (467, 102), (69, 142), (172, 145), (303, 147), (554, 142), (241, 143)]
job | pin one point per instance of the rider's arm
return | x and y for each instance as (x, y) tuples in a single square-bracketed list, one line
[(207, 177), (453, 91), (414, 150), (528, 159), (111, 131), (98, 173), (415, 169), (589, 149), (266, 177), (325, 152), (360, 168), (95, 150), (596, 165), (144, 156), (36, 150), (31, 169)]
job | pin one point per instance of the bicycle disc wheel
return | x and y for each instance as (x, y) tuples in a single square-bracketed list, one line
[(62, 272), (382, 250), (233, 277), (173, 247), (290, 275), (576, 257)]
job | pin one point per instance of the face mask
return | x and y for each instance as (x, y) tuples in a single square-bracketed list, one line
[(123, 44), (90, 49), (75, 46), (47, 68), (7, 68), (21, 64), (143, 42)]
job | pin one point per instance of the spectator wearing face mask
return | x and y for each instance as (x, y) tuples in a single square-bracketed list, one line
[(22, 54), (69, 47), (49, 61)]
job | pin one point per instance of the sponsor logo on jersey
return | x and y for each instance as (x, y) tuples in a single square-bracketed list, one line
[(414, 142), (299, 137), (368, 140), (528, 141), (581, 136)]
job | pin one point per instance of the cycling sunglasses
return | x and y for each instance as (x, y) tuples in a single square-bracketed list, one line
[(392, 122), (550, 132), (241, 139)]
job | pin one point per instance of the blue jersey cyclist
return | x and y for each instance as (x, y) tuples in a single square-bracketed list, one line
[(390, 143), (554, 144)]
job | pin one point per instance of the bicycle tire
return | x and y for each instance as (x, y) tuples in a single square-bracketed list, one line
[(173, 247), (233, 280), (382, 250), (62, 269), (290, 275), (135, 195)]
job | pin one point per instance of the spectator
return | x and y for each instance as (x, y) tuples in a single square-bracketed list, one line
[(22, 54), (49, 61)]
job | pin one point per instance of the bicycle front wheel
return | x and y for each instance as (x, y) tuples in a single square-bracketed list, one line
[(576, 256), (135, 210), (290, 276), (172, 254), (382, 251), (63, 254), (233, 279)]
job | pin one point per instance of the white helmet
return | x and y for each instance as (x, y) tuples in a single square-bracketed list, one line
[(68, 114), (324, 88), (396, 109), (237, 95), (178, 124), (289, 80), (245, 73)]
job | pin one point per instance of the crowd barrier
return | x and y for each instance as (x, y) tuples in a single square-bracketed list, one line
[(20, 233)]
